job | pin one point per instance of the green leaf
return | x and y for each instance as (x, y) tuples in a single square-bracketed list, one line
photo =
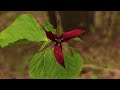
[(44, 44), (78, 39), (67, 48), (82, 24), (45, 66), (49, 27), (19, 42), (24, 27), (47, 46)]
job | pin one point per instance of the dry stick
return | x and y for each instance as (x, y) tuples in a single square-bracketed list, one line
[(52, 18), (4, 72), (59, 23), (98, 68), (55, 19)]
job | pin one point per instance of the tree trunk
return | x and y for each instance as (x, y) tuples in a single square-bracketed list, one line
[(73, 19), (105, 19)]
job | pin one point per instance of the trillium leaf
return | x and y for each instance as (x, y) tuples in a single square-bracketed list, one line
[(24, 27), (43, 45), (46, 46), (78, 39), (49, 27), (66, 47), (45, 66)]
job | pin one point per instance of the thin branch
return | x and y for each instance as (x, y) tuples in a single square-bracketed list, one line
[(59, 23), (98, 68)]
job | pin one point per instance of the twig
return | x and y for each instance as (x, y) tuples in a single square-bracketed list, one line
[(98, 68), (59, 23)]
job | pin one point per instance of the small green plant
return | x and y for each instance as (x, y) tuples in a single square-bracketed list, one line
[(53, 61)]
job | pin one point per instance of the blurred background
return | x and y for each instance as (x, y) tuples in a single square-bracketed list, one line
[(100, 52)]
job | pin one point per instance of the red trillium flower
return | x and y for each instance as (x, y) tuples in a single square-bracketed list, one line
[(59, 43)]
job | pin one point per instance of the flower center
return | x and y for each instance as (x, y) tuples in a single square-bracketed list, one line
[(58, 40)]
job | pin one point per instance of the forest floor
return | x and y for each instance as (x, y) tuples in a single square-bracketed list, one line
[(101, 55)]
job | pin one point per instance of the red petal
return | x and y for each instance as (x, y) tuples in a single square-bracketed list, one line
[(50, 35), (59, 55), (71, 34)]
